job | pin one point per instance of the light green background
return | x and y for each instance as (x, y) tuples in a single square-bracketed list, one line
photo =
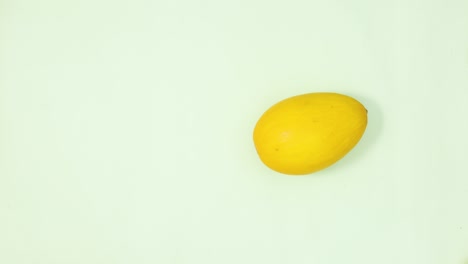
[(125, 132)]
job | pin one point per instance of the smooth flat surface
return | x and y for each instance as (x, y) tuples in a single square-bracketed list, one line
[(126, 132)]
